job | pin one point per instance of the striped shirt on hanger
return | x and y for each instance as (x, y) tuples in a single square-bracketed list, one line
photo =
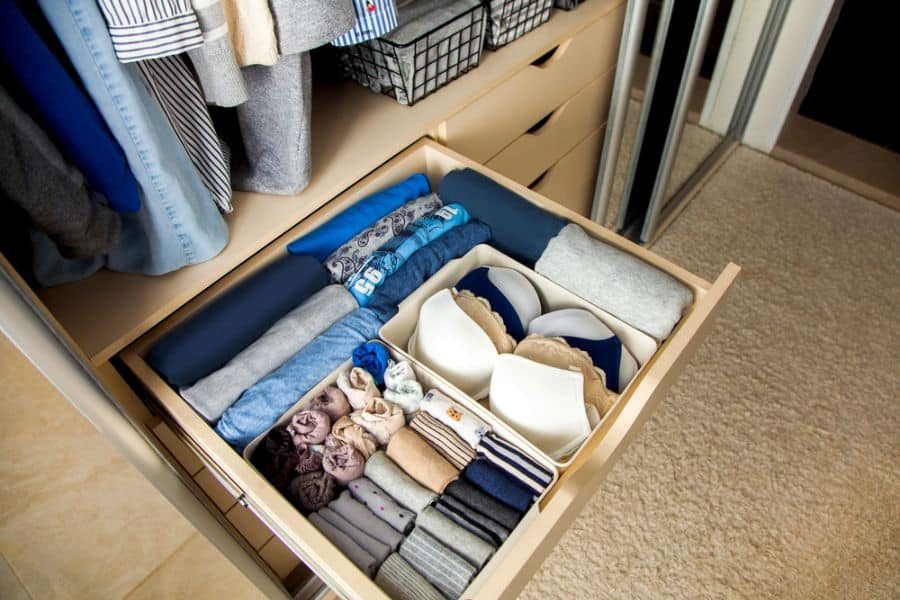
[(514, 461), (178, 94), (142, 29), (374, 18)]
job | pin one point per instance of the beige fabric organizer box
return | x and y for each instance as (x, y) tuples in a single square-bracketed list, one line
[(518, 559), (398, 330)]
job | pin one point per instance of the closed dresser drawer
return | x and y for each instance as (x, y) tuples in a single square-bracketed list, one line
[(555, 135), (508, 571), (490, 123), (570, 182)]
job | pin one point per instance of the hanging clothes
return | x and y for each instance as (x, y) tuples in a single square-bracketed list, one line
[(252, 31), (142, 29), (214, 61)]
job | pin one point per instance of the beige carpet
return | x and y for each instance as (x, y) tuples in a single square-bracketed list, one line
[(773, 467)]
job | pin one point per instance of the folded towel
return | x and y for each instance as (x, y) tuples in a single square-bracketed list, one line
[(421, 461), (385, 473), (499, 484), (399, 580), (357, 555), (380, 418), (326, 238), (461, 420), (211, 395), (363, 518), (481, 525), (332, 402), (374, 358), (260, 406), (469, 546), (359, 387), (309, 427), (347, 432), (378, 550), (441, 566), (443, 439), (515, 462), (382, 504), (237, 317), (344, 463), (616, 281), (346, 260), (312, 491), (519, 228), (463, 491)]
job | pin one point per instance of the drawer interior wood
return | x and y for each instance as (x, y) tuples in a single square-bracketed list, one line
[(511, 568), (490, 123)]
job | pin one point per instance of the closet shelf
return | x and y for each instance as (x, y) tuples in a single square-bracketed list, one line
[(354, 131)]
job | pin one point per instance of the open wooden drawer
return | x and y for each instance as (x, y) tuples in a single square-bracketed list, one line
[(511, 568)]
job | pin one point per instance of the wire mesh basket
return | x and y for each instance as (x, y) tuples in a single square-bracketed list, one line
[(509, 20), (411, 70), (568, 4)]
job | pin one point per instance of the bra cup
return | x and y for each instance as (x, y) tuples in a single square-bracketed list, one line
[(448, 341), (519, 291), (544, 404)]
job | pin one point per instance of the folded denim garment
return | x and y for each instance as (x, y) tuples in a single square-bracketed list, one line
[(260, 406), (236, 318)]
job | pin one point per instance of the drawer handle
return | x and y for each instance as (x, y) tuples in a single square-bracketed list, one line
[(551, 56), (551, 117), (538, 180), (534, 129)]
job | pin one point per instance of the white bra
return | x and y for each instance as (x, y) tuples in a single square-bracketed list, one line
[(544, 404), (447, 340)]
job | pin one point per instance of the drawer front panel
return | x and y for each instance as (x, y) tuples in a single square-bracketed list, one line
[(541, 147), (570, 182), (490, 123), (513, 565)]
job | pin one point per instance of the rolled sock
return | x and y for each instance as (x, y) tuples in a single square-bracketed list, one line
[(469, 546), (346, 260), (348, 432), (499, 484), (421, 461), (357, 555), (397, 373), (309, 459), (616, 281), (377, 549), (332, 402), (385, 261), (382, 504), (463, 491), (260, 406), (344, 463), (443, 439), (309, 427), (227, 325), (213, 394), (425, 263), (515, 462), (326, 238), (361, 517), (399, 580), (472, 520), (407, 395), (359, 387), (311, 491), (276, 458), (374, 358), (441, 566), (380, 418), (453, 415), (385, 473), (519, 228)]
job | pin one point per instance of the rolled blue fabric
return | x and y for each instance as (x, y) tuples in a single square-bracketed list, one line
[(373, 357), (234, 320), (425, 263), (518, 228), (327, 238), (385, 261), (259, 407), (499, 484)]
